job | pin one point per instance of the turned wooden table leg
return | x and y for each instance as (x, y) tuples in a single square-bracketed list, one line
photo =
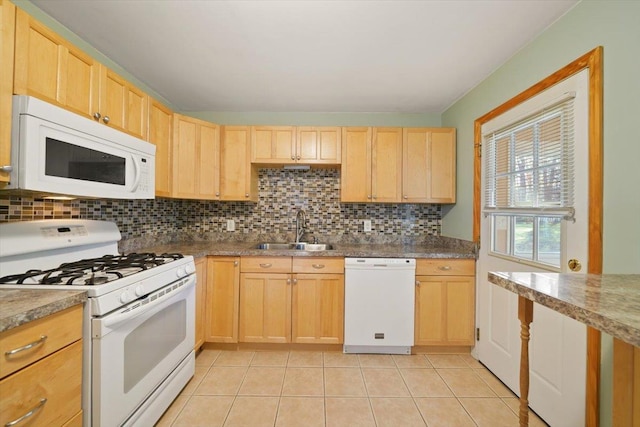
[(525, 314)]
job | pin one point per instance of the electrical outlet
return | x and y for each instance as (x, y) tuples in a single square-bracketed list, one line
[(366, 224), (231, 225)]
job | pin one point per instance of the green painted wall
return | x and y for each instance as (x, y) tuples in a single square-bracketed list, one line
[(613, 25), (320, 119)]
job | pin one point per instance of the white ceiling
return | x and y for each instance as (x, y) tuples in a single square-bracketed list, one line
[(308, 56)]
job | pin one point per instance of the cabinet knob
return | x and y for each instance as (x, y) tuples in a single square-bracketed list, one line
[(235, 263), (7, 168), (417, 283), (444, 267), (295, 281), (293, 157), (97, 116), (288, 281), (298, 157), (369, 196), (265, 265), (106, 119), (217, 194), (246, 195), (405, 196), (317, 266)]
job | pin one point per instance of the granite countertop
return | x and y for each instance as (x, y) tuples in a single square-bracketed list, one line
[(209, 248), (19, 306), (608, 302)]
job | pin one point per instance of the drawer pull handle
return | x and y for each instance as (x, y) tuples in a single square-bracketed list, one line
[(42, 339), (28, 414), (444, 267), (265, 265), (318, 266)]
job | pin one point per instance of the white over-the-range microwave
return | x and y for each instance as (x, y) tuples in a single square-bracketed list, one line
[(57, 152)]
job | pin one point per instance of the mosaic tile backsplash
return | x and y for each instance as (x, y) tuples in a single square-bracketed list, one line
[(281, 194)]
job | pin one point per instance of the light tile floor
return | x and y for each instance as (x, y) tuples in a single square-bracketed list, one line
[(306, 389)]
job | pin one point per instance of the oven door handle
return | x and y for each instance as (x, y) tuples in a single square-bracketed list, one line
[(102, 326)]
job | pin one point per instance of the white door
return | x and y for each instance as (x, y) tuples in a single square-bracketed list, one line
[(558, 343)]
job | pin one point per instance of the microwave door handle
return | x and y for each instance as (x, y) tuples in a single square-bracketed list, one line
[(136, 172)]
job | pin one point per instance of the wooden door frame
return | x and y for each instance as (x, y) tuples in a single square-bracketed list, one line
[(593, 61)]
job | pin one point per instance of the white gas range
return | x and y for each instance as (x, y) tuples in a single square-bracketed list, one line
[(138, 324)]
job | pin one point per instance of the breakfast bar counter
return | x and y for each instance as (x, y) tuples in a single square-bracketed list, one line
[(609, 303)]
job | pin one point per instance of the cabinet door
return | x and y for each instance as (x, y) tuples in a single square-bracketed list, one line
[(160, 134), (319, 145), (122, 105), (442, 166), (386, 165), (445, 310), (185, 150), (273, 144), (223, 297), (238, 179), (208, 161), (50, 68), (355, 185), (195, 158), (265, 308), (201, 295), (415, 165), (318, 308), (7, 34)]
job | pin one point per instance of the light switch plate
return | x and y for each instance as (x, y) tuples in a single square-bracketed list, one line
[(231, 225), (366, 224)]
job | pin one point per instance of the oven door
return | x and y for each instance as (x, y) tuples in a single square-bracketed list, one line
[(134, 351)]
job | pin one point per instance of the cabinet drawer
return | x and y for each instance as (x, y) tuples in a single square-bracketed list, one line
[(57, 378), (318, 265), (60, 329), (265, 264), (445, 267)]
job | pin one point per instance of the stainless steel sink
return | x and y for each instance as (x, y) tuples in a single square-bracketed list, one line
[(302, 246)]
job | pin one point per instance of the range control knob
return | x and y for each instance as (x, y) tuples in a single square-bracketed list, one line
[(125, 297), (190, 269), (139, 290), (181, 272)]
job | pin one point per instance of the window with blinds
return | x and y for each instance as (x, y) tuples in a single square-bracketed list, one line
[(529, 183)]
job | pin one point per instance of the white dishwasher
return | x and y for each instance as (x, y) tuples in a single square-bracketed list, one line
[(379, 305)]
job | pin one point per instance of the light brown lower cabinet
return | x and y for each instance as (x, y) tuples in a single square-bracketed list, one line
[(46, 378), (201, 294), (445, 302), (222, 298), (284, 299)]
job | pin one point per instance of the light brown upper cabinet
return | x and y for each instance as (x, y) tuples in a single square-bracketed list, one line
[(429, 165), (160, 134), (50, 68), (281, 145), (273, 144), (122, 105), (7, 34), (318, 145), (238, 178), (371, 165), (195, 159)]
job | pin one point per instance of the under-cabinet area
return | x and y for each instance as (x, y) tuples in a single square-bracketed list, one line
[(284, 300)]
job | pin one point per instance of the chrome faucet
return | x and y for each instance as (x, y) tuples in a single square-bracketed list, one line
[(301, 218)]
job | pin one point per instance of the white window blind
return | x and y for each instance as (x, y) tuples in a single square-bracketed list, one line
[(529, 164)]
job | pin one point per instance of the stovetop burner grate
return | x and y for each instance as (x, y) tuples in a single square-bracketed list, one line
[(94, 271)]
